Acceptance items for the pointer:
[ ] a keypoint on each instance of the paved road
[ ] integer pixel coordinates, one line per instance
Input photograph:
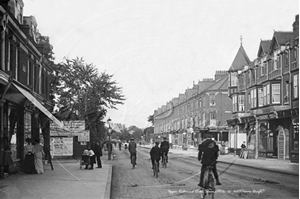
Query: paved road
(179, 180)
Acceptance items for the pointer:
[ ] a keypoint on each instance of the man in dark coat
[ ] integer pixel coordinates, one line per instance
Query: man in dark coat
(208, 153)
(98, 152)
(132, 150)
(164, 146)
(155, 154)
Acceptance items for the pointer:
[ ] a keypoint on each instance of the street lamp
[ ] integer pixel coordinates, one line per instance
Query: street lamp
(109, 142)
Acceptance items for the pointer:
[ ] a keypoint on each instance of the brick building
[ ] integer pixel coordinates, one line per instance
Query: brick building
(199, 113)
(24, 85)
(265, 98)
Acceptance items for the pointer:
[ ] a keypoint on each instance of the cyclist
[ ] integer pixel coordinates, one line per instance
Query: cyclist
(164, 146)
(132, 149)
(208, 153)
(155, 154)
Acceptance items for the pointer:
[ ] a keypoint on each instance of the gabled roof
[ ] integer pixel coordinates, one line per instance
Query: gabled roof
(221, 84)
(264, 47)
(241, 59)
(281, 38)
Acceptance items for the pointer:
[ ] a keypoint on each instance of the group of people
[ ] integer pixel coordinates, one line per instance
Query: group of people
(33, 157)
(94, 155)
(156, 152)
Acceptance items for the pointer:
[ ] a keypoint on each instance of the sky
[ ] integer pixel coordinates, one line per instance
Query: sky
(157, 49)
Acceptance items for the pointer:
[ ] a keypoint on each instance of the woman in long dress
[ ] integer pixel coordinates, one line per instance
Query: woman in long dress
(38, 157)
(28, 164)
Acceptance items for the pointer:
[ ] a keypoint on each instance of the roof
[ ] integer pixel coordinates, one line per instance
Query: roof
(283, 37)
(220, 84)
(264, 47)
(241, 59)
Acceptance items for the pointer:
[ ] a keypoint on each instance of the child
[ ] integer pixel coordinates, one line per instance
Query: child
(155, 154)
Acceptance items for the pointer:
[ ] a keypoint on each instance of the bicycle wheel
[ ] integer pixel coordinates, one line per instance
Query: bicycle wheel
(133, 161)
(211, 185)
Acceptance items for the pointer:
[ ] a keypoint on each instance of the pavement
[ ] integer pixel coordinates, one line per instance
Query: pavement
(67, 180)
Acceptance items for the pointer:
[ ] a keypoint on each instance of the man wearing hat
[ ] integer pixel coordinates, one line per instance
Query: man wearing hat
(164, 146)
(208, 153)
(132, 149)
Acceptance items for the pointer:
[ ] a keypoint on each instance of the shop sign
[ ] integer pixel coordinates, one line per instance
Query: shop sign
(61, 146)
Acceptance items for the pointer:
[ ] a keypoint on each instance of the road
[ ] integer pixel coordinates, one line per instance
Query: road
(180, 179)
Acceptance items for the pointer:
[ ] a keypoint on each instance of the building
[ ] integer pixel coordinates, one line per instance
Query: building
(265, 98)
(25, 103)
(199, 113)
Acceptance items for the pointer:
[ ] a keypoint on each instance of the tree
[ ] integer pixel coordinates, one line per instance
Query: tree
(82, 93)
(151, 119)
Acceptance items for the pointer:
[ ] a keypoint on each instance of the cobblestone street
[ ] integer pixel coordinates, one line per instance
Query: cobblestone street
(180, 179)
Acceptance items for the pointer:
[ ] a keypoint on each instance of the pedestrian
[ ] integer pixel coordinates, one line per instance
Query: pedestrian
(92, 159)
(132, 150)
(98, 152)
(28, 163)
(38, 157)
(243, 148)
(155, 154)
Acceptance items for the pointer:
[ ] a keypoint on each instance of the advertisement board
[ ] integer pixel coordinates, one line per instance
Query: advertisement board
(61, 146)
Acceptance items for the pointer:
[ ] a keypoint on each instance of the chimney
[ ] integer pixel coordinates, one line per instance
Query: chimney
(220, 73)
(296, 26)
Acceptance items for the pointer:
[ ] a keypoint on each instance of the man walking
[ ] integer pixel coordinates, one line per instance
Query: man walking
(132, 149)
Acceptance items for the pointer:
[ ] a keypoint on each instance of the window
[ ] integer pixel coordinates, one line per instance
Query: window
(275, 67)
(212, 100)
(266, 94)
(286, 97)
(260, 97)
(234, 103)
(275, 93)
(262, 69)
(253, 98)
(295, 86)
(241, 103)
(199, 103)
(203, 119)
(233, 79)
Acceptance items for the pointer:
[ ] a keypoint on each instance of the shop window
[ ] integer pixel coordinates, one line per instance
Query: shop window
(12, 133)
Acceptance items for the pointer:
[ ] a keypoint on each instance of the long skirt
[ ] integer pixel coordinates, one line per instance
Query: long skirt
(28, 164)
(39, 165)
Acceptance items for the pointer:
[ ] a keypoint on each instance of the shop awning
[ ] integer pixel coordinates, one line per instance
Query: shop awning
(36, 103)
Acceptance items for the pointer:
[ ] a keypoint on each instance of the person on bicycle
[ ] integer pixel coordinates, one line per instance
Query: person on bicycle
(164, 146)
(155, 154)
(132, 149)
(208, 153)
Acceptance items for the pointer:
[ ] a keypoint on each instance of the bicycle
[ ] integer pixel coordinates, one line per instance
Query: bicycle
(133, 161)
(209, 184)
(155, 169)
(164, 161)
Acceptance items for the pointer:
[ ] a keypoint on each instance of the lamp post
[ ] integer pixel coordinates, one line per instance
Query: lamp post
(109, 141)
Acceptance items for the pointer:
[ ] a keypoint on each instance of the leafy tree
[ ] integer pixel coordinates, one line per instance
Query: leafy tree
(151, 119)
(82, 93)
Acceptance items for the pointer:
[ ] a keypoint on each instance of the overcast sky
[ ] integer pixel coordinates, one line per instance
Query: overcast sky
(156, 49)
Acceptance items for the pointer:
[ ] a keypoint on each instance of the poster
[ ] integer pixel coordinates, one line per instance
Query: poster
(61, 146)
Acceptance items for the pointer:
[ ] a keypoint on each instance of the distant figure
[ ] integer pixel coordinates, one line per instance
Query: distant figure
(38, 157)
(91, 154)
(132, 149)
(243, 147)
(98, 153)
(28, 164)
(164, 146)
(155, 154)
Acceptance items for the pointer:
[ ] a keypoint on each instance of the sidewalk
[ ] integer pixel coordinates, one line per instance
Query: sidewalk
(281, 166)
(67, 180)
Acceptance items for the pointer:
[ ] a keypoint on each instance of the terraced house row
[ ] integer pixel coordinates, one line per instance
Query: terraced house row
(25, 71)
(201, 112)
(265, 98)
(254, 101)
